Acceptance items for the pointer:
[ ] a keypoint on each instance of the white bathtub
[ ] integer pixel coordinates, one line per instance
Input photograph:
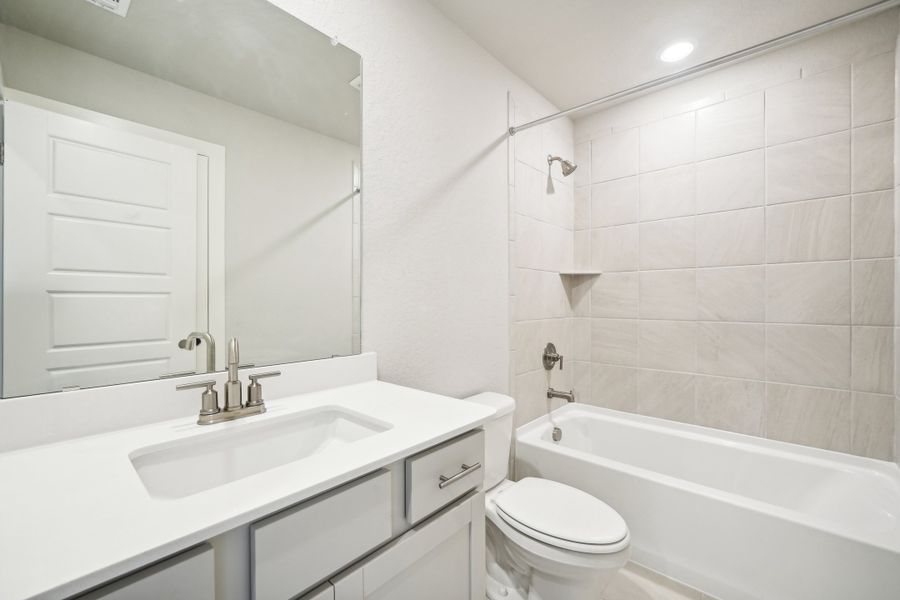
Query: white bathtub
(735, 516)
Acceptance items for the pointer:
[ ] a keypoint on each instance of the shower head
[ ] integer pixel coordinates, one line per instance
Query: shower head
(567, 166)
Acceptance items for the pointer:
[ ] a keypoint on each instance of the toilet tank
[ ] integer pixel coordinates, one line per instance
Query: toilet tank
(497, 436)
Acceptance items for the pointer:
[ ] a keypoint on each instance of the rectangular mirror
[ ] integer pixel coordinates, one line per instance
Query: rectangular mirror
(175, 174)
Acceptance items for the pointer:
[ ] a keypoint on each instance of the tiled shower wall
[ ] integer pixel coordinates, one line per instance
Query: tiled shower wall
(896, 258)
(743, 223)
(540, 246)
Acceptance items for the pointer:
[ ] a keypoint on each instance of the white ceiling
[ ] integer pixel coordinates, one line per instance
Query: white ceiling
(573, 51)
(247, 52)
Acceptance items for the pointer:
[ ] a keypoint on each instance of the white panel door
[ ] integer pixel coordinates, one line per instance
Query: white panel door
(99, 253)
(441, 559)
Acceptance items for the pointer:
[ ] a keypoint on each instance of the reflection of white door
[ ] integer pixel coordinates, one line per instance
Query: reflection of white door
(99, 253)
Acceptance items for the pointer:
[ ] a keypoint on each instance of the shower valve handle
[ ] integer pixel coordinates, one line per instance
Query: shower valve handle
(551, 357)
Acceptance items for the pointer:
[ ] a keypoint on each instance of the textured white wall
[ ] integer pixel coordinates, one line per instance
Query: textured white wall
(435, 271)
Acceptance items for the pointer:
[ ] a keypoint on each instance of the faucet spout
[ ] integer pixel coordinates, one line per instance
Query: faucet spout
(194, 338)
(233, 399)
(567, 396)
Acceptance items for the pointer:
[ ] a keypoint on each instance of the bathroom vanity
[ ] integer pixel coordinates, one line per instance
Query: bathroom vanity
(368, 490)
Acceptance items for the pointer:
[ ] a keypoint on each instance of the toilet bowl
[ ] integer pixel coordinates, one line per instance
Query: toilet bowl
(545, 540)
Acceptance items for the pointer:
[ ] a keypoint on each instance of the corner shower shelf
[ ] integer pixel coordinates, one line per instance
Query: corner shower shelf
(580, 273)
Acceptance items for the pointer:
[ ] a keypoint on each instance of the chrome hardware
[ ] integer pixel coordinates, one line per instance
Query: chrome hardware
(193, 339)
(233, 385)
(557, 434)
(567, 396)
(550, 357)
(209, 400)
(210, 411)
(254, 390)
(466, 469)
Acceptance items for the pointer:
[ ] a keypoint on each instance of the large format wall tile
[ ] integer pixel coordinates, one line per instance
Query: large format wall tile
(667, 193)
(667, 143)
(668, 294)
(614, 202)
(873, 157)
(730, 127)
(732, 404)
(667, 244)
(873, 90)
(615, 295)
(808, 107)
(615, 248)
(873, 292)
(666, 395)
(811, 230)
(731, 238)
(614, 387)
(811, 168)
(731, 294)
(582, 217)
(731, 182)
(873, 225)
(872, 431)
(809, 293)
(614, 341)
(668, 345)
(816, 355)
(614, 156)
(747, 242)
(810, 416)
(872, 358)
(731, 349)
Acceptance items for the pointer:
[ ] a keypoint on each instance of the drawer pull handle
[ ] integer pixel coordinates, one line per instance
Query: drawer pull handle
(466, 469)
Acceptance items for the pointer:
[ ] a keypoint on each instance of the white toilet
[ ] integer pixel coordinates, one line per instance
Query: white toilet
(545, 540)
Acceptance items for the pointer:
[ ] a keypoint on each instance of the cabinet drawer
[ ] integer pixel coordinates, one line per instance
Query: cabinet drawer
(299, 547)
(439, 475)
(187, 576)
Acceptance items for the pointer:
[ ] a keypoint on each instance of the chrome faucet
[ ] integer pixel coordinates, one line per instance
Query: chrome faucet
(233, 385)
(567, 396)
(234, 407)
(193, 339)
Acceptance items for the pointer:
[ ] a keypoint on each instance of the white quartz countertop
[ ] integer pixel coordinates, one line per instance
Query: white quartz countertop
(75, 514)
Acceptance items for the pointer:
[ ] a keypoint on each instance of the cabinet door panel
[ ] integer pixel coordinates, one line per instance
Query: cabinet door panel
(435, 560)
(299, 547)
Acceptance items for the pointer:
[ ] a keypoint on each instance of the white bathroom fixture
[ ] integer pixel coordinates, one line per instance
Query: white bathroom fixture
(545, 540)
(203, 462)
(736, 516)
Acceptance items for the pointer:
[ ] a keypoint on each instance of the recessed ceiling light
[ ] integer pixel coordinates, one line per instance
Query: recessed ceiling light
(676, 52)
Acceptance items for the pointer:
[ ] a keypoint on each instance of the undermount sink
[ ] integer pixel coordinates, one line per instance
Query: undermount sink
(205, 461)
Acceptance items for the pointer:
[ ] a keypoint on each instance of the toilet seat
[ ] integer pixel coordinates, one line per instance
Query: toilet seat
(561, 516)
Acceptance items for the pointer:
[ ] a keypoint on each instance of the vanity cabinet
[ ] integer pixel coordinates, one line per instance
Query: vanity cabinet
(186, 576)
(411, 530)
(440, 559)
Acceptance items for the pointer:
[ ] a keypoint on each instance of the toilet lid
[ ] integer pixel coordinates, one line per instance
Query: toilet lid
(558, 512)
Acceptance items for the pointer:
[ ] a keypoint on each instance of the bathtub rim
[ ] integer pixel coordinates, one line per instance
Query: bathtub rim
(530, 434)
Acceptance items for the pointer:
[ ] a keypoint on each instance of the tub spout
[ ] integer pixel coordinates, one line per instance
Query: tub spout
(567, 396)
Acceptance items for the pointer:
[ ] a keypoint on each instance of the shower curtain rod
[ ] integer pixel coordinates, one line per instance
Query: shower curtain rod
(719, 62)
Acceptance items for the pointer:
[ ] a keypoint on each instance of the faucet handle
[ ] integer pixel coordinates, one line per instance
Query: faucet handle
(551, 357)
(209, 399)
(254, 390)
